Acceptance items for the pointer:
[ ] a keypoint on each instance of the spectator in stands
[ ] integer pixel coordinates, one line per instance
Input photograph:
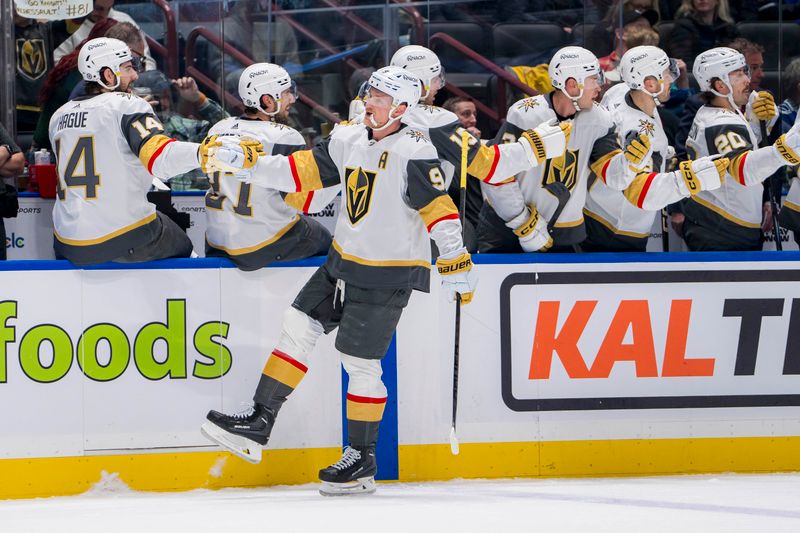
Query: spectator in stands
(605, 35)
(103, 10)
(156, 89)
(467, 113)
(637, 33)
(700, 25)
(12, 161)
(791, 89)
(59, 83)
(34, 59)
(128, 34)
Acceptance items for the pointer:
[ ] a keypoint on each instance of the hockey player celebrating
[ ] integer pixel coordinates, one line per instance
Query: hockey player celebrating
(393, 203)
(255, 226)
(517, 213)
(729, 218)
(612, 223)
(489, 164)
(109, 145)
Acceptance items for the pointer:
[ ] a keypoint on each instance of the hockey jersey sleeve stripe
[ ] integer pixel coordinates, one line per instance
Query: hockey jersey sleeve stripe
(440, 208)
(600, 166)
(151, 149)
(365, 409)
(791, 205)
(504, 182)
(637, 190)
(737, 167)
(299, 200)
(305, 171)
(485, 162)
(283, 368)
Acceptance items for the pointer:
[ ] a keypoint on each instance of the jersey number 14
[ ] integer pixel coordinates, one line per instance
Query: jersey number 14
(83, 151)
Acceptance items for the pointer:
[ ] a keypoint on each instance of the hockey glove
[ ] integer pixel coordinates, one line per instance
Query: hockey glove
(788, 145)
(207, 147)
(638, 151)
(546, 141)
(704, 174)
(763, 105)
(235, 155)
(531, 229)
(457, 274)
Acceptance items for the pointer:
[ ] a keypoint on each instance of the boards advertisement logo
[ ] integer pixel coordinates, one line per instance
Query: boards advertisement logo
(650, 340)
(15, 241)
(104, 351)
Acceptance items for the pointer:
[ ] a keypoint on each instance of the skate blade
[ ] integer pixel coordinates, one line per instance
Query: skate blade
(359, 486)
(247, 449)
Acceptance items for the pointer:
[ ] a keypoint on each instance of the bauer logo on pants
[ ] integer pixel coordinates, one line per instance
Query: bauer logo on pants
(650, 340)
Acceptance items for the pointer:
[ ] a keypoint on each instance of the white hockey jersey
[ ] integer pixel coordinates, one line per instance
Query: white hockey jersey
(393, 197)
(592, 147)
(491, 164)
(241, 218)
(108, 148)
(611, 207)
(717, 130)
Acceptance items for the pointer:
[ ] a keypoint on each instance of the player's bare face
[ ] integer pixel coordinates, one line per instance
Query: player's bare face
(287, 101)
(591, 90)
(740, 83)
(467, 114)
(127, 76)
(666, 86)
(378, 106)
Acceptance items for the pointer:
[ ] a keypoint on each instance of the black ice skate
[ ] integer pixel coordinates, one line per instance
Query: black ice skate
(243, 434)
(354, 473)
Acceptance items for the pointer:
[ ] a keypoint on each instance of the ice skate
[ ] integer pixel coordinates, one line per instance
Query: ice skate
(354, 473)
(243, 434)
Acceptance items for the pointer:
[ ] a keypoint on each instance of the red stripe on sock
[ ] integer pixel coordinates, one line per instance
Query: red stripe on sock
(295, 363)
(364, 399)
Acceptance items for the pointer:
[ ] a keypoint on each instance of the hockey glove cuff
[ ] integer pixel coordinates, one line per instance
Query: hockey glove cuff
(457, 275)
(546, 141)
(531, 230)
(704, 174)
(235, 155)
(788, 146)
(204, 152)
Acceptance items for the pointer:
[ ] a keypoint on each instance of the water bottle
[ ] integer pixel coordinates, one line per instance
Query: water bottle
(42, 157)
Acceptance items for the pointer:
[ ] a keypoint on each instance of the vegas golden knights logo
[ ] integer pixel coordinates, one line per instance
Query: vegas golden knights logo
(31, 58)
(360, 183)
(563, 169)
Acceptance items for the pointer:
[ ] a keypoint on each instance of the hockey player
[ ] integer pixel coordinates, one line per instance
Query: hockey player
(517, 212)
(109, 145)
(490, 164)
(255, 226)
(729, 218)
(612, 223)
(393, 203)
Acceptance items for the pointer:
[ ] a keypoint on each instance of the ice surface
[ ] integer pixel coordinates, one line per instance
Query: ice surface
(676, 504)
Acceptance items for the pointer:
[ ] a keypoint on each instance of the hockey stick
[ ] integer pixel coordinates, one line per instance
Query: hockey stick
(462, 206)
(560, 191)
(773, 202)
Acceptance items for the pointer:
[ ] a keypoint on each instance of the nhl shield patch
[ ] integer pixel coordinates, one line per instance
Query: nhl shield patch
(31, 58)
(360, 184)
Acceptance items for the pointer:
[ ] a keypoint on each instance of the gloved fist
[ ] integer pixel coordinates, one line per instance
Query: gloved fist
(531, 229)
(234, 155)
(763, 106)
(546, 141)
(703, 174)
(638, 150)
(457, 275)
(788, 145)
(207, 147)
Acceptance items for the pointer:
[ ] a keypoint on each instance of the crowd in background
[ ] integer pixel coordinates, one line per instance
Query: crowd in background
(47, 52)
